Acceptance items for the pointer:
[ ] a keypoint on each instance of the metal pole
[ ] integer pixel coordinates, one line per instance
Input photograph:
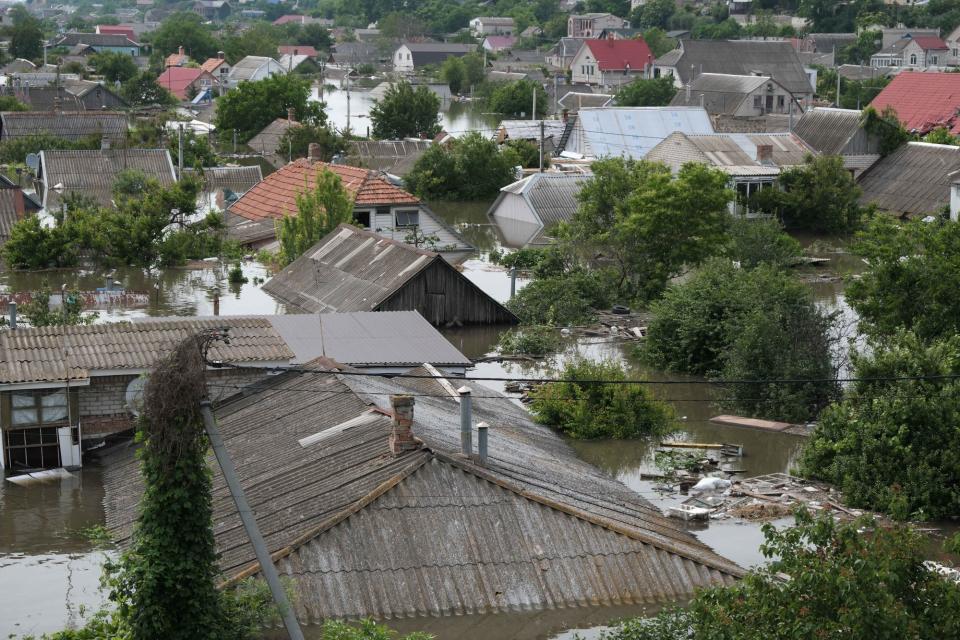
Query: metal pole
(250, 523)
(533, 114)
(838, 88)
(513, 281)
(556, 93)
(180, 152)
(541, 145)
(234, 142)
(466, 421)
(348, 103)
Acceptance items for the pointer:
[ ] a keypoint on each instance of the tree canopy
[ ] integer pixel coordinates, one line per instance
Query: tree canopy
(26, 35)
(143, 89)
(468, 168)
(114, 66)
(319, 211)
(642, 92)
(251, 106)
(515, 99)
(184, 29)
(406, 112)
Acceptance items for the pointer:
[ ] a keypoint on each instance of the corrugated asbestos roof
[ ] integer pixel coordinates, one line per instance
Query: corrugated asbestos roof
(75, 125)
(384, 338)
(396, 157)
(912, 181)
(237, 179)
(734, 153)
(93, 172)
(551, 196)
(632, 131)
(530, 129)
(828, 130)
(11, 210)
(267, 141)
(721, 93)
(364, 533)
(49, 354)
(573, 101)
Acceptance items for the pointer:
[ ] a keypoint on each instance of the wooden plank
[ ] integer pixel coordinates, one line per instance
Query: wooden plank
(762, 425)
(689, 445)
(432, 370)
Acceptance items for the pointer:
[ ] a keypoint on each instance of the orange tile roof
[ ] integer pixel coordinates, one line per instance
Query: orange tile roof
(276, 196)
(211, 64)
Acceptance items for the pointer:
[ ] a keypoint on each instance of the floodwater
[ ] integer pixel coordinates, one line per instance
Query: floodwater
(50, 571)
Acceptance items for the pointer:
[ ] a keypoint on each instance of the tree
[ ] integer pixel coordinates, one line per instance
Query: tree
(642, 92)
(454, 73)
(184, 29)
(890, 445)
(653, 13)
(649, 225)
(469, 168)
(26, 35)
(405, 112)
(251, 106)
(319, 211)
(911, 280)
(402, 26)
(17, 149)
(38, 313)
(197, 150)
(586, 410)
(33, 246)
(658, 41)
(756, 241)
(515, 99)
(315, 35)
(114, 66)
(819, 195)
(732, 323)
(941, 135)
(296, 141)
(142, 89)
(855, 580)
(527, 153)
(261, 39)
(886, 126)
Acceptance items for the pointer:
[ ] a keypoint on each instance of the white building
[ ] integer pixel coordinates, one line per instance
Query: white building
(253, 68)
(492, 26)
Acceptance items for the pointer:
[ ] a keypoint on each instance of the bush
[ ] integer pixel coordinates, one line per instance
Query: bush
(469, 168)
(585, 410)
(891, 445)
(529, 341)
(756, 241)
(565, 299)
(515, 99)
(17, 149)
(642, 92)
(747, 324)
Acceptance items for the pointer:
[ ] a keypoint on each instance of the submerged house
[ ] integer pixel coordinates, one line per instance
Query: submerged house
(371, 506)
(222, 186)
(357, 270)
(526, 210)
(914, 181)
(840, 132)
(379, 206)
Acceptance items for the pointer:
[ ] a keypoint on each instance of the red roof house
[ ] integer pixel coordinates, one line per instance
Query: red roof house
(930, 43)
(297, 50)
(923, 101)
(287, 19)
(606, 62)
(118, 29)
(180, 80)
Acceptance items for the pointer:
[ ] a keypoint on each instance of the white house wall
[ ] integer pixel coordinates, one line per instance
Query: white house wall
(515, 220)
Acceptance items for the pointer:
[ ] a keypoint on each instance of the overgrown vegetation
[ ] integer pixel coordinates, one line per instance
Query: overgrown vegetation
(15, 150)
(758, 324)
(515, 99)
(251, 106)
(406, 112)
(319, 211)
(468, 168)
(642, 92)
(585, 408)
(756, 241)
(39, 313)
(529, 341)
(824, 580)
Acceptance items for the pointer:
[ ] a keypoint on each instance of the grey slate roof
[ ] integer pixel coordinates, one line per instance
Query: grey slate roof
(734, 153)
(573, 101)
(267, 141)
(424, 53)
(364, 339)
(913, 181)
(831, 132)
(92, 173)
(721, 93)
(237, 179)
(94, 40)
(112, 125)
(740, 57)
(551, 196)
(364, 533)
(396, 157)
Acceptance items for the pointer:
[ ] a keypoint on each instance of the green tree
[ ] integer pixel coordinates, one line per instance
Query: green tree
(319, 211)
(658, 41)
(474, 71)
(653, 92)
(114, 66)
(527, 153)
(197, 150)
(855, 580)
(184, 29)
(315, 35)
(732, 323)
(756, 241)
(26, 35)
(911, 279)
(405, 112)
(584, 409)
(296, 141)
(469, 168)
(515, 99)
(454, 73)
(17, 149)
(941, 135)
(251, 106)
(261, 39)
(649, 225)
(142, 89)
(33, 246)
(653, 13)
(886, 126)
(38, 313)
(9, 103)
(819, 195)
(890, 445)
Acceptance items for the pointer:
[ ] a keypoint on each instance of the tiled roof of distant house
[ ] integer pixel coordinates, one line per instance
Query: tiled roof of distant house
(177, 79)
(118, 29)
(289, 18)
(211, 64)
(931, 43)
(618, 55)
(298, 49)
(923, 101)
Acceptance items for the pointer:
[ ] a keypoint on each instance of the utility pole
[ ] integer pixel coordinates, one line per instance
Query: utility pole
(348, 103)
(541, 145)
(180, 151)
(533, 114)
(250, 523)
(838, 88)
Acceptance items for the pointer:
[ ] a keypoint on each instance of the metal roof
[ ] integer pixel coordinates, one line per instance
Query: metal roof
(552, 197)
(366, 338)
(111, 125)
(52, 354)
(632, 131)
(363, 533)
(93, 172)
(721, 93)
(734, 153)
(829, 130)
(912, 181)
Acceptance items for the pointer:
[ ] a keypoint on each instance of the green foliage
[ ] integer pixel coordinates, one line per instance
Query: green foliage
(658, 41)
(142, 89)
(454, 72)
(319, 211)
(585, 410)
(941, 135)
(114, 66)
(9, 103)
(846, 580)
(756, 241)
(295, 141)
(655, 92)
(235, 275)
(17, 149)
(653, 14)
(33, 246)
(260, 39)
(911, 280)
(405, 112)
(526, 258)
(527, 153)
(649, 225)
(38, 313)
(890, 445)
(469, 168)
(473, 67)
(26, 35)
(185, 29)
(251, 106)
(364, 630)
(515, 99)
(570, 297)
(886, 126)
(529, 341)
(819, 195)
(197, 150)
(747, 324)
(854, 94)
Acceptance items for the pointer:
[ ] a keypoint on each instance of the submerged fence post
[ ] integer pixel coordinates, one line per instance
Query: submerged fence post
(250, 523)
(513, 281)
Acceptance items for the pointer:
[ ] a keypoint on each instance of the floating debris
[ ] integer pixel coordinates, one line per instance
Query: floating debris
(764, 425)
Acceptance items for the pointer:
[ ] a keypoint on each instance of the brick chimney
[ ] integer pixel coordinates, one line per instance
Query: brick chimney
(220, 55)
(180, 50)
(313, 152)
(765, 154)
(291, 114)
(401, 435)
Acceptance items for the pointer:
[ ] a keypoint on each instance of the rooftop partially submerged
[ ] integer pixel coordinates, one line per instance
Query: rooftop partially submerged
(913, 181)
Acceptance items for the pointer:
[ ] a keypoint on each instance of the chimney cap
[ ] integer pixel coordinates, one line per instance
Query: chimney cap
(464, 389)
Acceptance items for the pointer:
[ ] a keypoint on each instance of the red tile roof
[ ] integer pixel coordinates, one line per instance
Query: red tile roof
(211, 64)
(928, 43)
(288, 19)
(177, 79)
(118, 29)
(923, 101)
(297, 50)
(276, 196)
(614, 55)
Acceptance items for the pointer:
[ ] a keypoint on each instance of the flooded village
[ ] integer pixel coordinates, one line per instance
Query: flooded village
(518, 327)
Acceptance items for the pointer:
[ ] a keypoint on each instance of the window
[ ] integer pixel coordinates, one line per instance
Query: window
(934, 59)
(362, 218)
(36, 408)
(913, 59)
(757, 102)
(781, 102)
(407, 218)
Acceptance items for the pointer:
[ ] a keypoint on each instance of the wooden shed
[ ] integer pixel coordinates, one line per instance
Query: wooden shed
(355, 270)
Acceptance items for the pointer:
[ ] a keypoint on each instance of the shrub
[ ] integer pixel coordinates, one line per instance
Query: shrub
(586, 410)
(565, 299)
(756, 241)
(469, 168)
(529, 341)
